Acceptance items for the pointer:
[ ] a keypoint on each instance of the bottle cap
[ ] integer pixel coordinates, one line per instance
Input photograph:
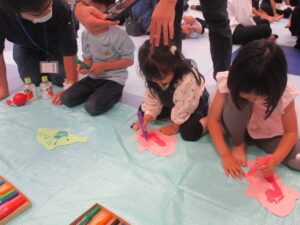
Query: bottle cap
(44, 78)
(27, 80)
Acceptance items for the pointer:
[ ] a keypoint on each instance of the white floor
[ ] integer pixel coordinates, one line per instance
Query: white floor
(198, 50)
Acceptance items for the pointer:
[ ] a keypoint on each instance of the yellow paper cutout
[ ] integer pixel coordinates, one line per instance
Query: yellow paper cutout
(52, 138)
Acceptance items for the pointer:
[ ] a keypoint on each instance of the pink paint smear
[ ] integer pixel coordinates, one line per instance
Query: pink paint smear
(157, 143)
(271, 192)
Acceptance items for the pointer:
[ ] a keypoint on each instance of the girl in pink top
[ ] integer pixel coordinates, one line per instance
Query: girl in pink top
(254, 102)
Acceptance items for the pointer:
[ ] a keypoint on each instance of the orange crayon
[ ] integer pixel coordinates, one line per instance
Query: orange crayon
(105, 219)
(5, 188)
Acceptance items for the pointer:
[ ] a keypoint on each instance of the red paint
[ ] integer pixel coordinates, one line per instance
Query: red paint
(153, 137)
(276, 194)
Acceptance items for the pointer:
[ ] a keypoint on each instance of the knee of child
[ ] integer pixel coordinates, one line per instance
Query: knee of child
(294, 164)
(268, 31)
(92, 108)
(65, 99)
(191, 134)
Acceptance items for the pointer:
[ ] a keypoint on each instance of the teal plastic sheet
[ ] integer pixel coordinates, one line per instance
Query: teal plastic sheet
(187, 188)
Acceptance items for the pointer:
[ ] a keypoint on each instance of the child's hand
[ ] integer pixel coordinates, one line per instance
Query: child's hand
(82, 70)
(268, 168)
(56, 98)
(232, 167)
(170, 129)
(147, 119)
(97, 69)
(189, 19)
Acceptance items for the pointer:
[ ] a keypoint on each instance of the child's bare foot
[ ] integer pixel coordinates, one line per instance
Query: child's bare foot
(278, 18)
(196, 7)
(203, 122)
(288, 25)
(239, 153)
(273, 37)
(271, 19)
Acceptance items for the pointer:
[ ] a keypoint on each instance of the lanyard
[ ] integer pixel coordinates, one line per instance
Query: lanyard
(32, 41)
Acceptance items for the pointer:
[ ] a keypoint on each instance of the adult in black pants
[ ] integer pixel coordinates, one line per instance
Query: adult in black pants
(295, 25)
(215, 15)
(163, 18)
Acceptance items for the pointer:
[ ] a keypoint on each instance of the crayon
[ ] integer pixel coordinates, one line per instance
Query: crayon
(9, 197)
(11, 206)
(89, 216)
(116, 222)
(5, 189)
(105, 219)
(84, 65)
(141, 122)
(7, 193)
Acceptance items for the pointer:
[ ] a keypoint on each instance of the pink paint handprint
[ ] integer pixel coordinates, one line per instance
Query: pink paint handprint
(157, 143)
(270, 191)
(274, 195)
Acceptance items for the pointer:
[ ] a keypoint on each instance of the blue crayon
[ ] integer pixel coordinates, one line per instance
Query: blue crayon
(9, 197)
(2, 182)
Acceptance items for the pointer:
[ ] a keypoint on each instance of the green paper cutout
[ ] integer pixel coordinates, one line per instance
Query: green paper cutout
(52, 138)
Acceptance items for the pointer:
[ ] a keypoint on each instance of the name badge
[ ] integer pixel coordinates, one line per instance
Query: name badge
(49, 67)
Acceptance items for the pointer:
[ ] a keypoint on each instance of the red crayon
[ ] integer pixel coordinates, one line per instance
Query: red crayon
(11, 206)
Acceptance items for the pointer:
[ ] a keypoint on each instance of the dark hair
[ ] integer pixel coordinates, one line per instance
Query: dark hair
(259, 68)
(155, 62)
(18, 6)
(104, 2)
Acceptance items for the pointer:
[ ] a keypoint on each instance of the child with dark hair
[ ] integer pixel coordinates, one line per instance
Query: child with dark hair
(243, 27)
(259, 13)
(269, 6)
(174, 89)
(109, 53)
(255, 103)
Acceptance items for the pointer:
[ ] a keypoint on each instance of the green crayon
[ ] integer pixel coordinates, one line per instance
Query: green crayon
(85, 66)
(89, 215)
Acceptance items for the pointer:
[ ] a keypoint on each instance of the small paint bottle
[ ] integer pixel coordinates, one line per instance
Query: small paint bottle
(46, 88)
(29, 89)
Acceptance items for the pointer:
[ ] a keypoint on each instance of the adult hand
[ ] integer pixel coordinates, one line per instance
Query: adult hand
(170, 129)
(3, 93)
(147, 119)
(232, 167)
(162, 21)
(93, 20)
(56, 98)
